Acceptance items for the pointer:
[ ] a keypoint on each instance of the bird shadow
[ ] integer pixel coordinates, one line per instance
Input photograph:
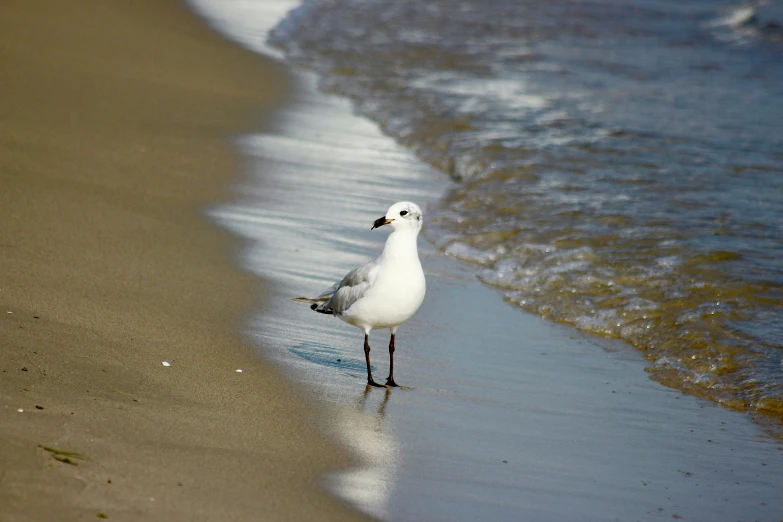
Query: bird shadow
(325, 355)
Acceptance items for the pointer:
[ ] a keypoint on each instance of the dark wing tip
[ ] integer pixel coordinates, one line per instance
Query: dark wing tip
(327, 311)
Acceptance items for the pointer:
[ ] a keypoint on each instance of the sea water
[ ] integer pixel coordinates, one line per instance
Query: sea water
(619, 164)
(506, 416)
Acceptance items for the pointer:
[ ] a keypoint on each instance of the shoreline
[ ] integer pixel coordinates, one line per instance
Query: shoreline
(503, 415)
(113, 143)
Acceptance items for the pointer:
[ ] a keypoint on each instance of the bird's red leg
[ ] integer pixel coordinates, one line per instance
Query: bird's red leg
(390, 380)
(370, 381)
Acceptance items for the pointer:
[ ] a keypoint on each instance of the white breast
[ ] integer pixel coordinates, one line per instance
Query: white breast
(396, 295)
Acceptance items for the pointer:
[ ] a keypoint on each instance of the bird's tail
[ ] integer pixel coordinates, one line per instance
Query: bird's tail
(316, 303)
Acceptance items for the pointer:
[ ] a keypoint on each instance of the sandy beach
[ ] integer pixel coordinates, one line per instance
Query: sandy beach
(121, 128)
(112, 139)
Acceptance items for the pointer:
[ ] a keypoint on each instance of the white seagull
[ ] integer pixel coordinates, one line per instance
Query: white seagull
(385, 292)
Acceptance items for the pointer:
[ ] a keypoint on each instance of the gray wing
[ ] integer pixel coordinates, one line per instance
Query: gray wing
(342, 295)
(353, 287)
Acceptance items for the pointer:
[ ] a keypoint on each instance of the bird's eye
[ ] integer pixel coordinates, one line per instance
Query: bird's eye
(404, 212)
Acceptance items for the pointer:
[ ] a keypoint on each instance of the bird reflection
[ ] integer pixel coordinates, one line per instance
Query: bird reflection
(380, 411)
(369, 484)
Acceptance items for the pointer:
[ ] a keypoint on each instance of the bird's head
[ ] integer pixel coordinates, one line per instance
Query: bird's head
(402, 215)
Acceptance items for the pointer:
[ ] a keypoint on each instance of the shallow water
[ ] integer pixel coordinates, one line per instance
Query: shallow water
(505, 416)
(619, 164)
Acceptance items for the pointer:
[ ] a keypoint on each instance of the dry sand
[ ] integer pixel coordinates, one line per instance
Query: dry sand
(111, 119)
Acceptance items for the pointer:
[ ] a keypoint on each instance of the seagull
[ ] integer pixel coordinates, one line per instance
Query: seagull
(385, 292)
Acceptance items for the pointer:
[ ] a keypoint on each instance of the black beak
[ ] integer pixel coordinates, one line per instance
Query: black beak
(380, 222)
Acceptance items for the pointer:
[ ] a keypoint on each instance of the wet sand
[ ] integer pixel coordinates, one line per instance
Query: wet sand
(112, 127)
